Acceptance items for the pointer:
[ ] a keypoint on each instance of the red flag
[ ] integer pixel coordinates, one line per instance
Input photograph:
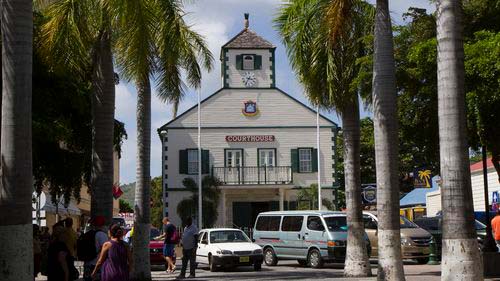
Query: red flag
(117, 191)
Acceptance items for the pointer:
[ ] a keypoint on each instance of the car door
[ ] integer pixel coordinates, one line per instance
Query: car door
(371, 230)
(292, 229)
(203, 248)
(314, 234)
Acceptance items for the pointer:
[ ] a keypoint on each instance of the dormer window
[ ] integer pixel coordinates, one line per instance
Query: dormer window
(248, 62)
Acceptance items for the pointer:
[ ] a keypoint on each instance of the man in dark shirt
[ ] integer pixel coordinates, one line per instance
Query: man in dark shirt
(169, 234)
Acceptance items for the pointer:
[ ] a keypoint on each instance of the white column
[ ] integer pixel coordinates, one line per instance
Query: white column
(200, 194)
(319, 158)
(282, 199)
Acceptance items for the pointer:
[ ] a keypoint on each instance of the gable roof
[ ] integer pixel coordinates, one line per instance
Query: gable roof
(221, 89)
(478, 166)
(248, 39)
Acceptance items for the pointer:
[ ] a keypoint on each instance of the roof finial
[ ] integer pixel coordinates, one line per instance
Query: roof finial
(246, 23)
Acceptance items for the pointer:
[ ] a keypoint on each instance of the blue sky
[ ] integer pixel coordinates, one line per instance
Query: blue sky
(219, 21)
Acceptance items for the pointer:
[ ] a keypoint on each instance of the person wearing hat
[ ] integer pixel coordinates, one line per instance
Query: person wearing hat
(98, 226)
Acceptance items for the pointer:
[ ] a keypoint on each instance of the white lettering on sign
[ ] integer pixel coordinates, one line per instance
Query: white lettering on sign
(263, 138)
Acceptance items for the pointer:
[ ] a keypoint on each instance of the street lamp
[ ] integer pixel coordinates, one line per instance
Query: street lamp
(163, 135)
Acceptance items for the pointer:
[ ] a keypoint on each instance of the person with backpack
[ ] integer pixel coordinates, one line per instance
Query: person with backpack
(172, 238)
(89, 246)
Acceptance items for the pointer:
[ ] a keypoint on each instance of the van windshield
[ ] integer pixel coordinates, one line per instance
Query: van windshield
(336, 223)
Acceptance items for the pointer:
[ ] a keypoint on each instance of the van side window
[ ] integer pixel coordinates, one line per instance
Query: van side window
(292, 223)
(315, 223)
(268, 223)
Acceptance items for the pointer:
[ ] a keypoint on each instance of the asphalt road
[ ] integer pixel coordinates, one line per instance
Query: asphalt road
(290, 270)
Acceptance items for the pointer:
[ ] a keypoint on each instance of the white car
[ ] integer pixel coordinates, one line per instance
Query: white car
(227, 247)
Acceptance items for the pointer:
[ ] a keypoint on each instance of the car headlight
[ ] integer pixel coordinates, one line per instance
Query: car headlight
(224, 252)
(258, 251)
(406, 242)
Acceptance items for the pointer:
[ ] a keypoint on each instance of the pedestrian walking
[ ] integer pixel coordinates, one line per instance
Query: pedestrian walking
(495, 227)
(59, 266)
(90, 245)
(171, 239)
(189, 244)
(69, 238)
(115, 258)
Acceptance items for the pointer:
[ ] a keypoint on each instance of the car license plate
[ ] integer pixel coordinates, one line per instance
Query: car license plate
(244, 259)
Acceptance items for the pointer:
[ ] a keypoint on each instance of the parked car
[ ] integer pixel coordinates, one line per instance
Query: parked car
(433, 226)
(155, 248)
(227, 247)
(310, 237)
(415, 241)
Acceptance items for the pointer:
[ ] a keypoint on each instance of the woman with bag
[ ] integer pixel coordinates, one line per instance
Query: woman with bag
(115, 258)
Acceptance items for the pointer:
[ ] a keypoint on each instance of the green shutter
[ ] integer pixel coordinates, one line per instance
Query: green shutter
(239, 62)
(295, 160)
(315, 160)
(183, 162)
(205, 162)
(258, 62)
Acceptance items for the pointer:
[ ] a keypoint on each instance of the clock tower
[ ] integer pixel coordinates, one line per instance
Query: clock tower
(247, 61)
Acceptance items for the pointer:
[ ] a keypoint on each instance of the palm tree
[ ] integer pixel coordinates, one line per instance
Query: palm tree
(323, 40)
(16, 187)
(390, 265)
(145, 48)
(78, 34)
(461, 258)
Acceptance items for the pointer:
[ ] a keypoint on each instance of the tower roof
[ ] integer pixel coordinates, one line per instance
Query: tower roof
(248, 39)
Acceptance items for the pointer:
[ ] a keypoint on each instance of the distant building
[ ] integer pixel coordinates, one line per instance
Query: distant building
(433, 199)
(256, 139)
(46, 213)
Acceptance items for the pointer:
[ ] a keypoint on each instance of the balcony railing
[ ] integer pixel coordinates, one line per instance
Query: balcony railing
(253, 175)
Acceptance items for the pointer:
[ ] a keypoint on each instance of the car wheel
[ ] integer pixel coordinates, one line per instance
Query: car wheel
(422, 260)
(211, 264)
(270, 257)
(257, 266)
(314, 259)
(302, 262)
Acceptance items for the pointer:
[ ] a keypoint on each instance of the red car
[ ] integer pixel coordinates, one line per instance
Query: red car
(155, 248)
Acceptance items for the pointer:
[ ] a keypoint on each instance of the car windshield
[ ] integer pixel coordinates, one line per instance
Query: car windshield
(228, 236)
(337, 223)
(405, 223)
(153, 233)
(480, 225)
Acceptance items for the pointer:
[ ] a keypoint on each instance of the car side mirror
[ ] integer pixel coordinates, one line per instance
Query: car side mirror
(253, 240)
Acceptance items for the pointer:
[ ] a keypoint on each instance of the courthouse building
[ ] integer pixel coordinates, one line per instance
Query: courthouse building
(259, 141)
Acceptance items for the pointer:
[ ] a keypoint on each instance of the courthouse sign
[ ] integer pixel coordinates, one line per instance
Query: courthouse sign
(258, 138)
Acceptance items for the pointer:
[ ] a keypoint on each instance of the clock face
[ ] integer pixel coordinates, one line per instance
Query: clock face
(249, 79)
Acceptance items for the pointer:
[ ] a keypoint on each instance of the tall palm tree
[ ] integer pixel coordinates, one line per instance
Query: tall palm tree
(16, 186)
(146, 48)
(323, 40)
(461, 258)
(78, 34)
(390, 265)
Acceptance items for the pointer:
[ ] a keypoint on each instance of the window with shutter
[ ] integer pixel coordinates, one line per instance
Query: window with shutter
(183, 163)
(248, 62)
(294, 160)
(205, 161)
(305, 160)
(258, 62)
(239, 62)
(314, 160)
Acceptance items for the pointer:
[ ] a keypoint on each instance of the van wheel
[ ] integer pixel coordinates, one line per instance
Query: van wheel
(270, 257)
(314, 259)
(302, 262)
(211, 264)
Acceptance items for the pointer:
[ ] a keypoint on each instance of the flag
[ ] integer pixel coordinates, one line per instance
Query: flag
(117, 191)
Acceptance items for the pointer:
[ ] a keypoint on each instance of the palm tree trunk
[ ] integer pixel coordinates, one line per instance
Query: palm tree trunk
(390, 265)
(103, 117)
(461, 258)
(356, 262)
(142, 267)
(175, 108)
(16, 187)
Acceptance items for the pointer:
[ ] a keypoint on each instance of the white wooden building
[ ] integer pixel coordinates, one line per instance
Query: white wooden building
(258, 140)
(433, 200)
